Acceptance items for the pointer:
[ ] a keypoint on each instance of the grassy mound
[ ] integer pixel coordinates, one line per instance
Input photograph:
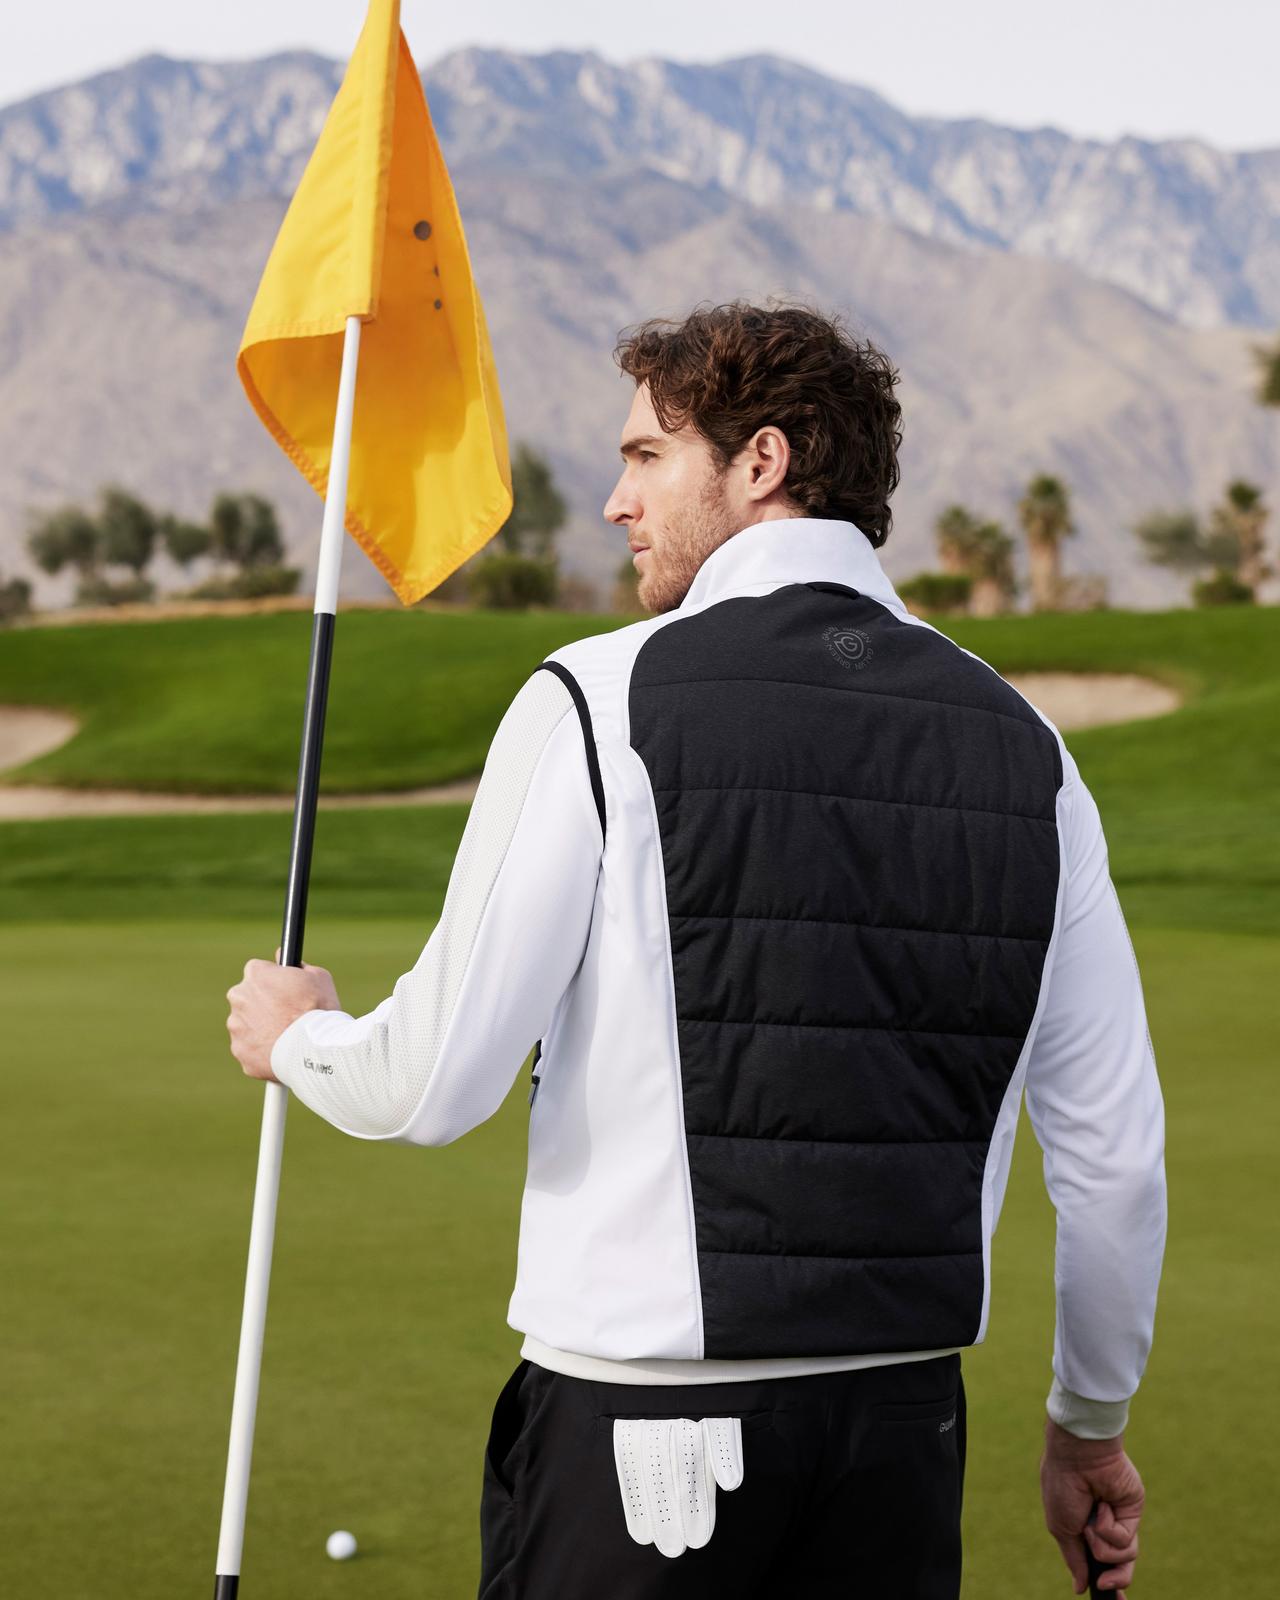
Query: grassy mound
(214, 705)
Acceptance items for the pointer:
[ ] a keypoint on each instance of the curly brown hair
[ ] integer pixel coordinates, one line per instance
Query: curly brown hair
(728, 370)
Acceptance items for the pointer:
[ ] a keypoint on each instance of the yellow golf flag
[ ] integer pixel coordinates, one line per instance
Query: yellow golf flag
(373, 231)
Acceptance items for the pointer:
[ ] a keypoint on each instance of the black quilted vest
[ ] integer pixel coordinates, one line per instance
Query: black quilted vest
(860, 846)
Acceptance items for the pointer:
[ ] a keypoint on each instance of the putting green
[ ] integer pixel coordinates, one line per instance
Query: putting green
(130, 1142)
(130, 1137)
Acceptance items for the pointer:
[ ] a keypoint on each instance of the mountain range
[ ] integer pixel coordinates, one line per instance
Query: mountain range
(1052, 303)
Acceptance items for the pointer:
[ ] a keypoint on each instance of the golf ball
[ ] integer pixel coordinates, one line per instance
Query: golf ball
(341, 1545)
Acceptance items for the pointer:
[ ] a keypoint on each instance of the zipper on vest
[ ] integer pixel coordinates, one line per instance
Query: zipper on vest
(537, 1077)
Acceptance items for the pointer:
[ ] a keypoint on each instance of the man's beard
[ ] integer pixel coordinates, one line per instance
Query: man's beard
(687, 542)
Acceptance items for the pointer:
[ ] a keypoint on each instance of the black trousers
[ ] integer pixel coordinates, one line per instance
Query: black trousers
(851, 1487)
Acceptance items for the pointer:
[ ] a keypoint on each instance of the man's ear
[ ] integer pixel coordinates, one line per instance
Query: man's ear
(767, 457)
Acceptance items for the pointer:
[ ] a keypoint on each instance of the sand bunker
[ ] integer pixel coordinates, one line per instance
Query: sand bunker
(1093, 699)
(29, 802)
(30, 731)
(1069, 699)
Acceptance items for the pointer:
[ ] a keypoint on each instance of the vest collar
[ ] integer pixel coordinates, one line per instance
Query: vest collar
(792, 550)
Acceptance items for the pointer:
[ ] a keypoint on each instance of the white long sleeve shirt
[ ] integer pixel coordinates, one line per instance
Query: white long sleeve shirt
(526, 905)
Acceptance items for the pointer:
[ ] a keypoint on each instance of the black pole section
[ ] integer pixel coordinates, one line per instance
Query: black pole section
(305, 801)
(226, 1585)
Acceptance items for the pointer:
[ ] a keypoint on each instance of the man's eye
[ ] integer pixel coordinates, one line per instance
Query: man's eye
(647, 455)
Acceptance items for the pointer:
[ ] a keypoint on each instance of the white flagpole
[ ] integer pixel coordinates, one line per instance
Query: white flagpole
(244, 1405)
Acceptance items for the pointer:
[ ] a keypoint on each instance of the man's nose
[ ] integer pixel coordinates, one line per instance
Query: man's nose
(622, 506)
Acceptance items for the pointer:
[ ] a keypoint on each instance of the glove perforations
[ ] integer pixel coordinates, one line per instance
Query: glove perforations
(668, 1470)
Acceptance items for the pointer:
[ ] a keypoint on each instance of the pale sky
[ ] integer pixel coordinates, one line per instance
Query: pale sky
(1099, 68)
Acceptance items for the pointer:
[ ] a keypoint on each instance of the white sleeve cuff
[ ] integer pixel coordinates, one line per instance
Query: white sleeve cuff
(288, 1050)
(1087, 1419)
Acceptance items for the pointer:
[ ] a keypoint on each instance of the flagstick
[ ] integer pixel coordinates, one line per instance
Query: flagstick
(253, 1320)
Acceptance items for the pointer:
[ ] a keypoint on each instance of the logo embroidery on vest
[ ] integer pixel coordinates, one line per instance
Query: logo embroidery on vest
(849, 646)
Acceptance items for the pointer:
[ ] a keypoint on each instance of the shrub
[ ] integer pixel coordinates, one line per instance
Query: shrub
(251, 583)
(512, 582)
(15, 599)
(538, 510)
(938, 591)
(449, 591)
(1223, 589)
(100, 591)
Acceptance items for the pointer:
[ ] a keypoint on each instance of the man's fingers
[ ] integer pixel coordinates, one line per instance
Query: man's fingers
(1120, 1545)
(1111, 1525)
(304, 966)
(1112, 1539)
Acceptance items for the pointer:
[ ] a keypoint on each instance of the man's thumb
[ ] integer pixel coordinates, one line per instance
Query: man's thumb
(1104, 1521)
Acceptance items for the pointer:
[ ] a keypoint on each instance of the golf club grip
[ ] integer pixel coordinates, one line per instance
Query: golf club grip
(1096, 1567)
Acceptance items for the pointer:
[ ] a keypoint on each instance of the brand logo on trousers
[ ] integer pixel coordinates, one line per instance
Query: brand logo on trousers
(849, 646)
(949, 1423)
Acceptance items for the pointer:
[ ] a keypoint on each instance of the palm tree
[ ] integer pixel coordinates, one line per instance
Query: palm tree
(991, 563)
(955, 529)
(1236, 528)
(980, 551)
(1176, 539)
(1045, 514)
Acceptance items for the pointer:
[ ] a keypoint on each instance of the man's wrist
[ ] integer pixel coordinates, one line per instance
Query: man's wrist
(1085, 1418)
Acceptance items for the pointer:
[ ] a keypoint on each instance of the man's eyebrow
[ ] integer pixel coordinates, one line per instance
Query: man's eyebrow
(641, 441)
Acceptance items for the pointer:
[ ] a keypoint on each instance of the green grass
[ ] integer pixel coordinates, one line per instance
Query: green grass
(214, 705)
(1188, 800)
(129, 1147)
(130, 1137)
(367, 863)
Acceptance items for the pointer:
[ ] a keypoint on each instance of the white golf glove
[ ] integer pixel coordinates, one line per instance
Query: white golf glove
(668, 1469)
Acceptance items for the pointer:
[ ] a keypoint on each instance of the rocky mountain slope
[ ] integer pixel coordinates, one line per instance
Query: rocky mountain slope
(140, 207)
(1191, 229)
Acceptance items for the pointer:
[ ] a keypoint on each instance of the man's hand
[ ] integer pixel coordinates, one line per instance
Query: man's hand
(1074, 1473)
(263, 1004)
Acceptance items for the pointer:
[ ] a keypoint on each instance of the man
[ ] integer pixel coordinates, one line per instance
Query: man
(796, 898)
